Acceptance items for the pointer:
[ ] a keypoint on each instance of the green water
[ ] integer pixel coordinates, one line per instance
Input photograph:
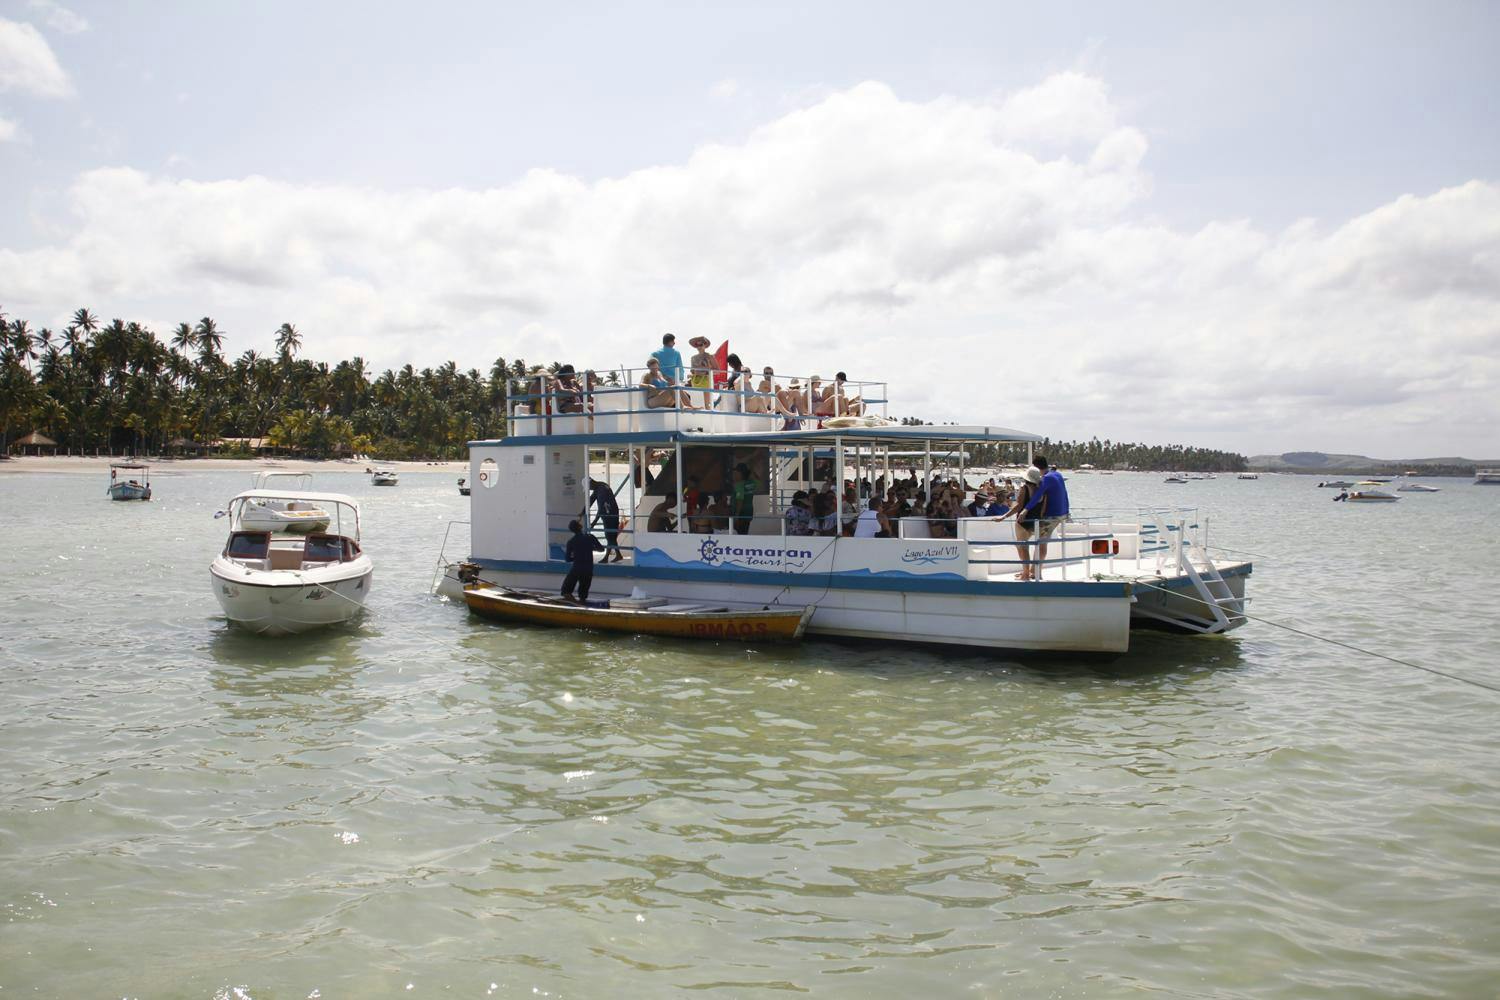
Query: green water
(422, 804)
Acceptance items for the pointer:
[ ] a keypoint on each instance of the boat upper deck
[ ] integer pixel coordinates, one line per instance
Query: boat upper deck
(586, 409)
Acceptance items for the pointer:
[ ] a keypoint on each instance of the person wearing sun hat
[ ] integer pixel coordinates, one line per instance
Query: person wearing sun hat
(702, 367)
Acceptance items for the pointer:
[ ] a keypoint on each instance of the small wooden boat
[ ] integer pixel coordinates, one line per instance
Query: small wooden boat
(129, 487)
(685, 621)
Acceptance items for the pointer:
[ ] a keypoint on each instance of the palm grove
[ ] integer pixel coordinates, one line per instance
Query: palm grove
(118, 388)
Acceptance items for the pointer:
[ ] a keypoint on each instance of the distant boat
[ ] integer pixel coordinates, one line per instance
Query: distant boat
(1371, 496)
(1248, 475)
(1174, 479)
(1487, 477)
(1335, 484)
(130, 487)
(383, 477)
(658, 617)
(293, 515)
(1417, 488)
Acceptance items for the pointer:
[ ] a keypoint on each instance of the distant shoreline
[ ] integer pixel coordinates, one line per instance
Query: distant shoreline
(84, 464)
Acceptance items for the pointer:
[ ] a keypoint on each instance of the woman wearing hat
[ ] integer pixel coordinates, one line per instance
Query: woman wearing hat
(1025, 529)
(702, 366)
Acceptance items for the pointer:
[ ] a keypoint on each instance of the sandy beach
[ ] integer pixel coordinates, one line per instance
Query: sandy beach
(167, 466)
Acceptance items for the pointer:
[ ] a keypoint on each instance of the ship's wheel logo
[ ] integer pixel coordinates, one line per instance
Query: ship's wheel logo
(709, 551)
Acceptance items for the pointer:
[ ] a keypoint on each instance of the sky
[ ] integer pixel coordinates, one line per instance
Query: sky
(1264, 229)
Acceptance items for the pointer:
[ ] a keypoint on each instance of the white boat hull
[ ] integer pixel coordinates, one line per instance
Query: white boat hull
(1087, 624)
(272, 519)
(280, 602)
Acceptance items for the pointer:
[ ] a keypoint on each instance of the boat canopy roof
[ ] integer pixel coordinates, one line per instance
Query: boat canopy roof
(342, 498)
(904, 435)
(128, 465)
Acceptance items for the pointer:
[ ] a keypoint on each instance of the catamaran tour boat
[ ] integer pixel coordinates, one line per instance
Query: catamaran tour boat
(1102, 572)
(278, 584)
(1487, 477)
(300, 516)
(129, 481)
(383, 477)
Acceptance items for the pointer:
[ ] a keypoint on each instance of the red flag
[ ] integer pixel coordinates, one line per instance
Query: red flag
(721, 365)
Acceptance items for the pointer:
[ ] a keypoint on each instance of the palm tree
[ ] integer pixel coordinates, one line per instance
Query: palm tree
(183, 338)
(85, 321)
(209, 338)
(288, 340)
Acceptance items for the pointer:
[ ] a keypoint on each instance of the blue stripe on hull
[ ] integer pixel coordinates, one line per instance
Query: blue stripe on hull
(823, 581)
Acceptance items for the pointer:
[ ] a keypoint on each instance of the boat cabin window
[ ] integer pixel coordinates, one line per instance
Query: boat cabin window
(248, 545)
(326, 548)
(712, 467)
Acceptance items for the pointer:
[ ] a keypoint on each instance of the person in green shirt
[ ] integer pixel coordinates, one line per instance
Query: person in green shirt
(743, 502)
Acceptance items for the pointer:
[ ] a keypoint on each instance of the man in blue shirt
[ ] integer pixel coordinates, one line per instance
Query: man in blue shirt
(1050, 504)
(668, 358)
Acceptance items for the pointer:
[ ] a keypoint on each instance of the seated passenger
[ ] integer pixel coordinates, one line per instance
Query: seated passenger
(825, 515)
(837, 402)
(873, 522)
(764, 398)
(569, 394)
(718, 507)
(664, 515)
(702, 522)
(798, 516)
(661, 389)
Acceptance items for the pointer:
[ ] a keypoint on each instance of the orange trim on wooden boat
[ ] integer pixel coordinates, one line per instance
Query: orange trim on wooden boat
(780, 625)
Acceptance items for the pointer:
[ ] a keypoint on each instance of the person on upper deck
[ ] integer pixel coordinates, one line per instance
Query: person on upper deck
(661, 389)
(837, 402)
(1052, 493)
(668, 358)
(702, 369)
(569, 393)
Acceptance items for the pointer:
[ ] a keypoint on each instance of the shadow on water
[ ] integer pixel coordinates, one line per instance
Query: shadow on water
(261, 676)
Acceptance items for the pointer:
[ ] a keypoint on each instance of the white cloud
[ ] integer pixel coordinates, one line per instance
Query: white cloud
(27, 63)
(995, 260)
(9, 131)
(60, 18)
(725, 89)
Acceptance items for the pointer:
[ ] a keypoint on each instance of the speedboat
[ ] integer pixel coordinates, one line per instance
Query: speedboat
(1371, 493)
(1335, 484)
(383, 477)
(280, 584)
(135, 484)
(1174, 479)
(298, 516)
(1418, 488)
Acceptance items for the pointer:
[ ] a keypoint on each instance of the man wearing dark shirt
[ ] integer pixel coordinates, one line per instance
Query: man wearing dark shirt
(609, 513)
(580, 552)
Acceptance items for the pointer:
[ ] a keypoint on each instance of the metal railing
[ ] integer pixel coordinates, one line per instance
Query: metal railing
(540, 404)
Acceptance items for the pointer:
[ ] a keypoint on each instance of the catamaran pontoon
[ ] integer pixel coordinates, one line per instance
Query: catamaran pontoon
(1100, 573)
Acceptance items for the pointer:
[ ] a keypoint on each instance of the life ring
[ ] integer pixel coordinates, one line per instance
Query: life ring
(484, 477)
